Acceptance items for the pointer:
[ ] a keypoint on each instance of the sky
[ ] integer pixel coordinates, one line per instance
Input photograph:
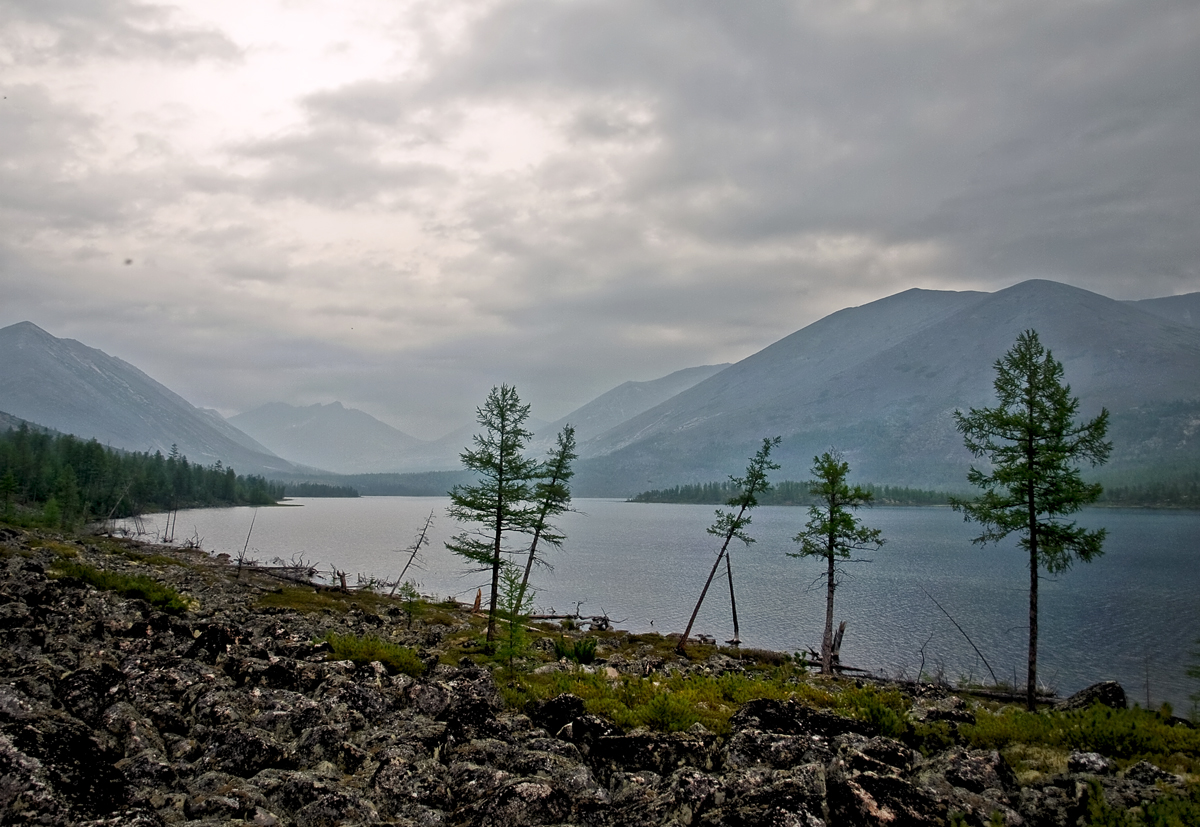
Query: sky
(398, 204)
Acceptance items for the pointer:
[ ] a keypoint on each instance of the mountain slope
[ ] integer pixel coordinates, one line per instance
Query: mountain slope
(67, 386)
(339, 439)
(1184, 310)
(629, 399)
(882, 381)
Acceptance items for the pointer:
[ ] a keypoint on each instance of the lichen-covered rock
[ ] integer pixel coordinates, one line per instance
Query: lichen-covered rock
(1108, 693)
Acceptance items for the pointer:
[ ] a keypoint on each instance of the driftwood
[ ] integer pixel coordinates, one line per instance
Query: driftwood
(599, 623)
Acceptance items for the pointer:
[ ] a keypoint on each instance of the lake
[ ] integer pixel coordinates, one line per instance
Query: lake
(1133, 615)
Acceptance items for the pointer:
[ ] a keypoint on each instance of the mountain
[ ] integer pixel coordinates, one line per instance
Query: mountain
(1184, 310)
(339, 439)
(629, 399)
(881, 382)
(67, 386)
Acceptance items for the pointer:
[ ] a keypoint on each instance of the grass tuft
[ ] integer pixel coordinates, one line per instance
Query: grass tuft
(126, 585)
(371, 648)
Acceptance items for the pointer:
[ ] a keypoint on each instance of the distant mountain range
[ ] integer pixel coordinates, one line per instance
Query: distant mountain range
(69, 387)
(333, 437)
(880, 382)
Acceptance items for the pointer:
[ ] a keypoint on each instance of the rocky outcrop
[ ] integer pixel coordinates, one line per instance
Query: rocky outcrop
(113, 713)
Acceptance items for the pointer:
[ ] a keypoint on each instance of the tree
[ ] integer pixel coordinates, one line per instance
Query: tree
(551, 497)
(499, 502)
(730, 525)
(833, 532)
(1033, 446)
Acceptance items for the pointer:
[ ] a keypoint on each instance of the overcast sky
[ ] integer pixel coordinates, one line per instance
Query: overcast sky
(399, 204)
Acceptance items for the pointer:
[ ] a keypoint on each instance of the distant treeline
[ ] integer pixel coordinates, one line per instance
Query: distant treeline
(788, 492)
(318, 489)
(63, 481)
(1172, 493)
(421, 484)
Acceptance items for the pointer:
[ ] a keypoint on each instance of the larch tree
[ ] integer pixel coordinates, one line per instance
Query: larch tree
(1034, 447)
(730, 524)
(551, 497)
(833, 532)
(499, 502)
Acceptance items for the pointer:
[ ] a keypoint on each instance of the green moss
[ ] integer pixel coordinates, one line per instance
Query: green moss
(671, 703)
(370, 648)
(126, 585)
(302, 599)
(1125, 735)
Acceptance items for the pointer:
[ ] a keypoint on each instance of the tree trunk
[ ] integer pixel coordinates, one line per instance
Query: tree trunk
(827, 638)
(1031, 682)
(737, 638)
(1031, 678)
(692, 621)
(491, 629)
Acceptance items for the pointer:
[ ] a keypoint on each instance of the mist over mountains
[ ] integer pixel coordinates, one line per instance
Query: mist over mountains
(69, 387)
(879, 382)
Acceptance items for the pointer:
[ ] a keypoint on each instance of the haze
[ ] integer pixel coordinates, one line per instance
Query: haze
(397, 205)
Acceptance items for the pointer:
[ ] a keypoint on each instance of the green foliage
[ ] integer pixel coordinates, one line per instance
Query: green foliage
(127, 585)
(581, 651)
(1126, 735)
(371, 648)
(551, 497)
(1033, 447)
(833, 532)
(515, 605)
(632, 702)
(301, 599)
(62, 481)
(1167, 811)
(498, 502)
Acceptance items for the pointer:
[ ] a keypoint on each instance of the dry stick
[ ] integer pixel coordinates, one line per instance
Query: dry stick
(416, 548)
(242, 556)
(964, 634)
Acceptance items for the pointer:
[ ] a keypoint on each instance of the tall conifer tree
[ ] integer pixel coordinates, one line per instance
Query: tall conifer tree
(1033, 446)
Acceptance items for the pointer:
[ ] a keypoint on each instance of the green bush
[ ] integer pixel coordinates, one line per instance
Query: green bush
(1128, 735)
(126, 585)
(581, 651)
(372, 648)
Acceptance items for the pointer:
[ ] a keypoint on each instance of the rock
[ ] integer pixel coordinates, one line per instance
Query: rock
(1089, 763)
(555, 713)
(1108, 693)
(1144, 772)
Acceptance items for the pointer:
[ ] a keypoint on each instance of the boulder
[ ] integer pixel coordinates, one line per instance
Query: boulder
(1109, 693)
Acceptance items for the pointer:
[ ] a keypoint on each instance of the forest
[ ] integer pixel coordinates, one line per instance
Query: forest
(60, 481)
(788, 492)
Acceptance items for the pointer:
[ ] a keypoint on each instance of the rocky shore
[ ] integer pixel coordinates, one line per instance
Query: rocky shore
(113, 712)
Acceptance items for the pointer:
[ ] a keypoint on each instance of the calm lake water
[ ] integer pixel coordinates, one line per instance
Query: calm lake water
(1132, 616)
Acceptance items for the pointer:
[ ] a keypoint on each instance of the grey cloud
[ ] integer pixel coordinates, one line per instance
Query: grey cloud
(80, 29)
(336, 167)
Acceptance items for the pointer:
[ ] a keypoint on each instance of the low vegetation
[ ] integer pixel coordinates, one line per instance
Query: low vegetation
(127, 585)
(370, 649)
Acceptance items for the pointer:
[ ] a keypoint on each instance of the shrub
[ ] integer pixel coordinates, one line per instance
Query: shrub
(371, 648)
(126, 585)
(581, 651)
